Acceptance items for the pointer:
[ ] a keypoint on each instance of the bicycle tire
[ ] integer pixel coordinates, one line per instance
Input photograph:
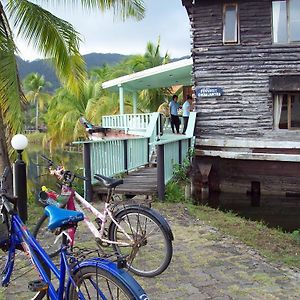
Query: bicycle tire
(145, 262)
(111, 285)
(45, 237)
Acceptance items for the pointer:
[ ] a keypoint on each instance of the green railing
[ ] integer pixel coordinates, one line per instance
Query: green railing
(173, 152)
(110, 157)
(170, 153)
(132, 123)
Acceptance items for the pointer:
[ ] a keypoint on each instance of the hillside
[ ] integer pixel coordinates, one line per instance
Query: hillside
(43, 67)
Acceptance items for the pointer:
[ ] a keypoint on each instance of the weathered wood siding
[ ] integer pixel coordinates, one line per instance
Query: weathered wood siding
(243, 70)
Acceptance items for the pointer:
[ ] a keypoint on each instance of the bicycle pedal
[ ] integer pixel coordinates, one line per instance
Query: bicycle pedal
(37, 285)
(121, 263)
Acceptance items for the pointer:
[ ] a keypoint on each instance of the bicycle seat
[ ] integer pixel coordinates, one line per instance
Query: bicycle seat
(58, 216)
(108, 182)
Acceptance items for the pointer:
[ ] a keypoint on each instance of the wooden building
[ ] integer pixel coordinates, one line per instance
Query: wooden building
(246, 67)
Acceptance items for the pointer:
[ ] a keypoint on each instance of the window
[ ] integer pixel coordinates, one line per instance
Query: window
(230, 24)
(287, 111)
(286, 21)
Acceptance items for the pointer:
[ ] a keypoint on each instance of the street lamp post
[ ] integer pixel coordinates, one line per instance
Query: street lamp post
(19, 142)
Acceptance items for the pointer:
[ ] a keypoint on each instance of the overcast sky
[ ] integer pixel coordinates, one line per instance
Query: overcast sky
(102, 34)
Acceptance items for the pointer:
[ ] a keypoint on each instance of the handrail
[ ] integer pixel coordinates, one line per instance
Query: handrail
(112, 156)
(127, 122)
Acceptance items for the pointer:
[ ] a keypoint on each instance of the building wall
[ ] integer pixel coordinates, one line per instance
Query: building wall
(245, 111)
(246, 107)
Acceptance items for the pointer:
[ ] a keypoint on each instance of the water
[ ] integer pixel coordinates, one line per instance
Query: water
(38, 174)
(275, 211)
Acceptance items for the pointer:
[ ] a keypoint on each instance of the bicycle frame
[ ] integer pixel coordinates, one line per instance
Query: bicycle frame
(102, 216)
(20, 235)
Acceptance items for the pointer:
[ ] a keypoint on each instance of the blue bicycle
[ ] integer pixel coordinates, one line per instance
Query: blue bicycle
(94, 278)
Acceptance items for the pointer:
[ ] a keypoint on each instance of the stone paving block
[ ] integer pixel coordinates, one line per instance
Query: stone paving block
(205, 265)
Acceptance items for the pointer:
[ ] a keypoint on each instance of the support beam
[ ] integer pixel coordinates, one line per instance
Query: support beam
(134, 102)
(121, 99)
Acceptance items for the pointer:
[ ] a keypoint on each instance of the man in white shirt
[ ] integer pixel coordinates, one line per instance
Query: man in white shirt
(186, 108)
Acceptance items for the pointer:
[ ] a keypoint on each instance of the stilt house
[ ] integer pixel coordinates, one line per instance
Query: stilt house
(246, 68)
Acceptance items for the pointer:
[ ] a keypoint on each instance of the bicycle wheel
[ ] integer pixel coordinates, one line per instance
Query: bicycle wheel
(45, 237)
(97, 283)
(152, 250)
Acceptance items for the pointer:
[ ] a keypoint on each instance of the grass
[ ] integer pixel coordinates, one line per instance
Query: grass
(275, 245)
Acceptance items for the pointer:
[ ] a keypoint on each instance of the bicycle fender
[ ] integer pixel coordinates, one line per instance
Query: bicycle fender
(112, 268)
(156, 215)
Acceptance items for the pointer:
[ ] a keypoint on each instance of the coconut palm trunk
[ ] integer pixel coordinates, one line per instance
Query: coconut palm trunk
(4, 158)
(36, 114)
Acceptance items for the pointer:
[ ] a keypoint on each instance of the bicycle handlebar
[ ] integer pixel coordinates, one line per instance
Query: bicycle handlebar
(7, 202)
(66, 175)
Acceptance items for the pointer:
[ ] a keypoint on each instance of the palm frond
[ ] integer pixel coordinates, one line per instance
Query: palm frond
(53, 37)
(121, 8)
(11, 95)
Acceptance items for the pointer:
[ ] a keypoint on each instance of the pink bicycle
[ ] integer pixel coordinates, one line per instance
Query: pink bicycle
(136, 232)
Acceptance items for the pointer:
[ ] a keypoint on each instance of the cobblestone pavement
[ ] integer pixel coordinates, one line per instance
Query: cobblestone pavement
(205, 265)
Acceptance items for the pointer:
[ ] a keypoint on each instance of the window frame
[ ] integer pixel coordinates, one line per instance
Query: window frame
(237, 24)
(288, 24)
(277, 97)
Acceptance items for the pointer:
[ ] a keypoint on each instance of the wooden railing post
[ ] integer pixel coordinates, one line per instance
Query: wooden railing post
(148, 150)
(88, 194)
(179, 152)
(126, 156)
(160, 172)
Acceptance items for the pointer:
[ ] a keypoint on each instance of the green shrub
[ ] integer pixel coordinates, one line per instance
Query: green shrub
(296, 235)
(174, 192)
(181, 172)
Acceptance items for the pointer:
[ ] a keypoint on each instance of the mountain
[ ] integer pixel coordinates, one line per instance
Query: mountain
(43, 67)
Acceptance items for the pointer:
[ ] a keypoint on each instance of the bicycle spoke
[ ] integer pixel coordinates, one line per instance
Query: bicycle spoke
(108, 286)
(151, 251)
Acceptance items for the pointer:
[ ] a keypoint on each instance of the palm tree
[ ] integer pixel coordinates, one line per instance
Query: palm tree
(34, 84)
(151, 99)
(65, 109)
(56, 40)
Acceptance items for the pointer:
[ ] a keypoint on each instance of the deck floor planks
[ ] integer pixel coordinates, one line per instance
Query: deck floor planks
(139, 182)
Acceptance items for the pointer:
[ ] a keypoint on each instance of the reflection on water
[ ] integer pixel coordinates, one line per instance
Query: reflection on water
(275, 211)
(37, 172)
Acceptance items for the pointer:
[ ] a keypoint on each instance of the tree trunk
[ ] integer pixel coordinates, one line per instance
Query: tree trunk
(36, 114)
(4, 158)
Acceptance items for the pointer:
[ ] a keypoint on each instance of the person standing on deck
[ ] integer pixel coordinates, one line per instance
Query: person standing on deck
(186, 108)
(174, 106)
